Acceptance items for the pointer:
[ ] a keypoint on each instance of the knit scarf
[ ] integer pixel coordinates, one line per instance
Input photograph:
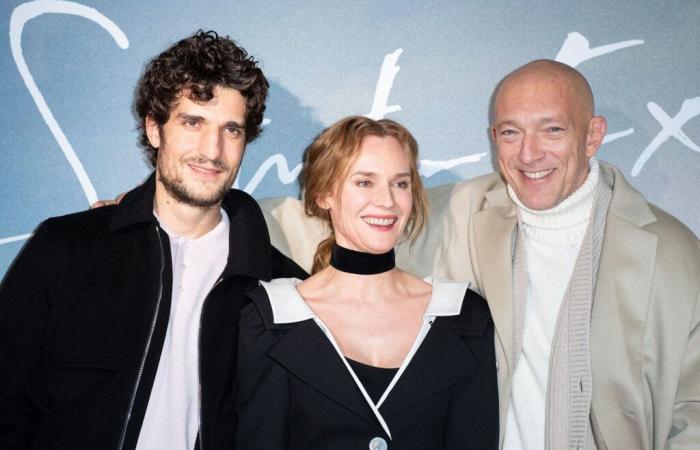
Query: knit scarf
(569, 387)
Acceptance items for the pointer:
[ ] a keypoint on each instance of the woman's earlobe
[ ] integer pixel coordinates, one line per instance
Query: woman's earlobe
(323, 203)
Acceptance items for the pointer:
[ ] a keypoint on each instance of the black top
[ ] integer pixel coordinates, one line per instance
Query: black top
(374, 379)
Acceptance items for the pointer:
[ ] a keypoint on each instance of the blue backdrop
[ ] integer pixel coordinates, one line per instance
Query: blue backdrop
(69, 70)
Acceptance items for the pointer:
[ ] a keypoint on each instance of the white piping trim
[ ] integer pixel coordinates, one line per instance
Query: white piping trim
(373, 407)
(445, 300)
(422, 333)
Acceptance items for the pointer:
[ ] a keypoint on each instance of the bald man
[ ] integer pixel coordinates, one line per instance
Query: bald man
(594, 291)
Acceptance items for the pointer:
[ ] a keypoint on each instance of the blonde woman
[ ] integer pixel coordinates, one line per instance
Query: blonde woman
(362, 354)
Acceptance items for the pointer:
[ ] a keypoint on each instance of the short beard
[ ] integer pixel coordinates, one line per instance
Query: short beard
(178, 191)
(181, 194)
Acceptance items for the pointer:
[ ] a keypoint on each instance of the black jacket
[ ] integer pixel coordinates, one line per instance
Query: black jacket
(296, 393)
(83, 315)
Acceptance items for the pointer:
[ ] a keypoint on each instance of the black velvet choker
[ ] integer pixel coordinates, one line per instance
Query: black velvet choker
(360, 263)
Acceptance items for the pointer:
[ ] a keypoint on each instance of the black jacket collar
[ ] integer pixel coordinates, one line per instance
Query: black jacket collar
(250, 251)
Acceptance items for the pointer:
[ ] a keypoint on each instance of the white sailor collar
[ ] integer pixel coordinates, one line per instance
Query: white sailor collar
(288, 306)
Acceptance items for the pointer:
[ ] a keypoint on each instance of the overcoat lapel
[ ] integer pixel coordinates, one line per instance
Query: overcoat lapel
(620, 304)
(494, 227)
(307, 353)
(442, 360)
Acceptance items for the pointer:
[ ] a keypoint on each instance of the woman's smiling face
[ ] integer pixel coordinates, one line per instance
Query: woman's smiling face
(371, 205)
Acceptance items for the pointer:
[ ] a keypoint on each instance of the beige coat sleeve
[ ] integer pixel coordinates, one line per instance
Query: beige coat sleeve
(685, 426)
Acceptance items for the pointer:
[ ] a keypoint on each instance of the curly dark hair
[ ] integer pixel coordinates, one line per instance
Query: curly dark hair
(197, 65)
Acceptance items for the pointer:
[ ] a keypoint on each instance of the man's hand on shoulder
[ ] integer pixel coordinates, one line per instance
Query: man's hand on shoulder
(101, 203)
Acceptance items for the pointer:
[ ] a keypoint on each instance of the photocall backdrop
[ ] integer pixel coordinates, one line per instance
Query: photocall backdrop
(69, 70)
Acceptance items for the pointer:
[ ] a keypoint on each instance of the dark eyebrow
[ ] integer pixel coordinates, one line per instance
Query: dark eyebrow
(402, 174)
(200, 119)
(185, 116)
(234, 124)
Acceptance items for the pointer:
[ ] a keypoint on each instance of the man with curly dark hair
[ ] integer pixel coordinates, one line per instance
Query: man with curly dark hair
(120, 323)
(194, 68)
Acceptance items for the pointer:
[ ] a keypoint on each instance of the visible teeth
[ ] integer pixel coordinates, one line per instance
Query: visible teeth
(536, 175)
(378, 221)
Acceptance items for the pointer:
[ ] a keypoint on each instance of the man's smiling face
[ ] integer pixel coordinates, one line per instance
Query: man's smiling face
(545, 134)
(200, 148)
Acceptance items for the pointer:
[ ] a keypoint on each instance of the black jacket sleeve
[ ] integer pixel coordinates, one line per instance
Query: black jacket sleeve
(262, 400)
(472, 419)
(24, 305)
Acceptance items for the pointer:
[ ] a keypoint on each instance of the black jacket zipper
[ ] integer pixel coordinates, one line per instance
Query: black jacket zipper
(148, 343)
(199, 362)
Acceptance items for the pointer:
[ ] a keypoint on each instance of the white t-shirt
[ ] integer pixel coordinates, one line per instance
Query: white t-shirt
(172, 415)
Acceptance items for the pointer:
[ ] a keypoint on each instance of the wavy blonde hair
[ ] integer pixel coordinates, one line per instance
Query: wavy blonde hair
(328, 160)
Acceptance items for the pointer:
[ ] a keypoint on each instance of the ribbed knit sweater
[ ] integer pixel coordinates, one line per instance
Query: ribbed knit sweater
(552, 240)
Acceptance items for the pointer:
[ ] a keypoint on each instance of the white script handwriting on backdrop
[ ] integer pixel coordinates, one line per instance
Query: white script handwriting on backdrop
(20, 16)
(670, 126)
(575, 50)
(380, 108)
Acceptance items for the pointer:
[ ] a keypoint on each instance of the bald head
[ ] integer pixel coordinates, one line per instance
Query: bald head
(558, 74)
(545, 131)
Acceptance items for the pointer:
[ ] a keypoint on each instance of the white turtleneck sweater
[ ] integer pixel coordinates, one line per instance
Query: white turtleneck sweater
(552, 241)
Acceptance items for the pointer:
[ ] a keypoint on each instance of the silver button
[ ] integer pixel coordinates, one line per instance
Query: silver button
(378, 444)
